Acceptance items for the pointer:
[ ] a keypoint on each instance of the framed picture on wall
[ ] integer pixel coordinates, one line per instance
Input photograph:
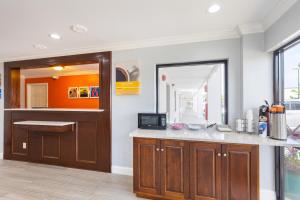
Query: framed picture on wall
(128, 78)
(73, 92)
(94, 91)
(84, 92)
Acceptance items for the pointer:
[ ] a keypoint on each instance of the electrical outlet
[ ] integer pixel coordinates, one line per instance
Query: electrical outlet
(24, 145)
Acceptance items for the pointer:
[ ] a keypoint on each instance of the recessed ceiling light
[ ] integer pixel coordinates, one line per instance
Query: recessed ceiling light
(58, 68)
(214, 8)
(54, 36)
(78, 28)
(39, 46)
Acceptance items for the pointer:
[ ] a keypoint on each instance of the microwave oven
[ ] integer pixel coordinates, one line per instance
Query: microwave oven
(156, 121)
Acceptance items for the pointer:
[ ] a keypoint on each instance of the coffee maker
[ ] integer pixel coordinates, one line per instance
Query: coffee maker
(263, 120)
(278, 126)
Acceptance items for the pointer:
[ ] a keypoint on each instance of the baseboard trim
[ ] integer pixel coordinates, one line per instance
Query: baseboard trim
(1, 156)
(122, 170)
(267, 194)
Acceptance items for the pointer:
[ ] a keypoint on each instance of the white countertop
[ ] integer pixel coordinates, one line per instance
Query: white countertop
(54, 109)
(212, 135)
(44, 123)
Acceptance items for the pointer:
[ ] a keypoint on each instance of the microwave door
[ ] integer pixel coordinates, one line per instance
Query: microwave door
(149, 121)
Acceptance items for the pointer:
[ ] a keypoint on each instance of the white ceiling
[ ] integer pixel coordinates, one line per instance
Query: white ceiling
(67, 71)
(187, 77)
(117, 24)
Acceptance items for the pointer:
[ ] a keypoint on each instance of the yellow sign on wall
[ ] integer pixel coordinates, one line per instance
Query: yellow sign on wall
(127, 79)
(128, 88)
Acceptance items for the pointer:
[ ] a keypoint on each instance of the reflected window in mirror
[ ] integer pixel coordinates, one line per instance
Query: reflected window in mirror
(193, 93)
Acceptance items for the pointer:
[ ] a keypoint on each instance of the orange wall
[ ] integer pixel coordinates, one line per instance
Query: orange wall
(58, 90)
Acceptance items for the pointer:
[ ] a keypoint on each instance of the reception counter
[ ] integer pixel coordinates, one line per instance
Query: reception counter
(67, 137)
(79, 138)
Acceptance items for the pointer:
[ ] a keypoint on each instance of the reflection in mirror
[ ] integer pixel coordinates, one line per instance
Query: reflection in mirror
(193, 94)
(75, 86)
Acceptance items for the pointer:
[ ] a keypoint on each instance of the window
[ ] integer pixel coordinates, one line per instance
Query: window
(287, 91)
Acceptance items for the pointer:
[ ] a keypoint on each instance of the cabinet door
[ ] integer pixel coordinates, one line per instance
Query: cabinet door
(205, 171)
(146, 161)
(174, 169)
(19, 140)
(35, 147)
(240, 173)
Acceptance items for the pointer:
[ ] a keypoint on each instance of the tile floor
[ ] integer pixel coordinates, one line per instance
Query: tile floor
(29, 181)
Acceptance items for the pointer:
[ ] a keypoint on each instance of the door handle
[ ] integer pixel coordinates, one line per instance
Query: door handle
(225, 154)
(219, 154)
(157, 149)
(162, 149)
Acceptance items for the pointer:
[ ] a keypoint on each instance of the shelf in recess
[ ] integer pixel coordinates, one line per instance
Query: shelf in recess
(46, 126)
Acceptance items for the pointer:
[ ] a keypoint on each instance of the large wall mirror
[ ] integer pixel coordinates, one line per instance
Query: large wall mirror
(193, 93)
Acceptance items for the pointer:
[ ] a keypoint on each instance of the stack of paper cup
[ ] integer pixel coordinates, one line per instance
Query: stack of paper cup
(240, 125)
(250, 120)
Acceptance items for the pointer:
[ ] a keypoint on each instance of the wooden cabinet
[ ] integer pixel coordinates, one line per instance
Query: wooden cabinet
(146, 166)
(84, 144)
(205, 173)
(19, 138)
(160, 168)
(173, 169)
(240, 172)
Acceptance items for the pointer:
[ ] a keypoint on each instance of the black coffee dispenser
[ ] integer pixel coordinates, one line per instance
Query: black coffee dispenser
(264, 116)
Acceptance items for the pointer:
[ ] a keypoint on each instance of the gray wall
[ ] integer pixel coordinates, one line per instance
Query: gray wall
(288, 25)
(257, 82)
(257, 72)
(125, 108)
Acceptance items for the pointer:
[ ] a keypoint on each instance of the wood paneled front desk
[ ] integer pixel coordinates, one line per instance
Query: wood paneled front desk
(198, 165)
(66, 137)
